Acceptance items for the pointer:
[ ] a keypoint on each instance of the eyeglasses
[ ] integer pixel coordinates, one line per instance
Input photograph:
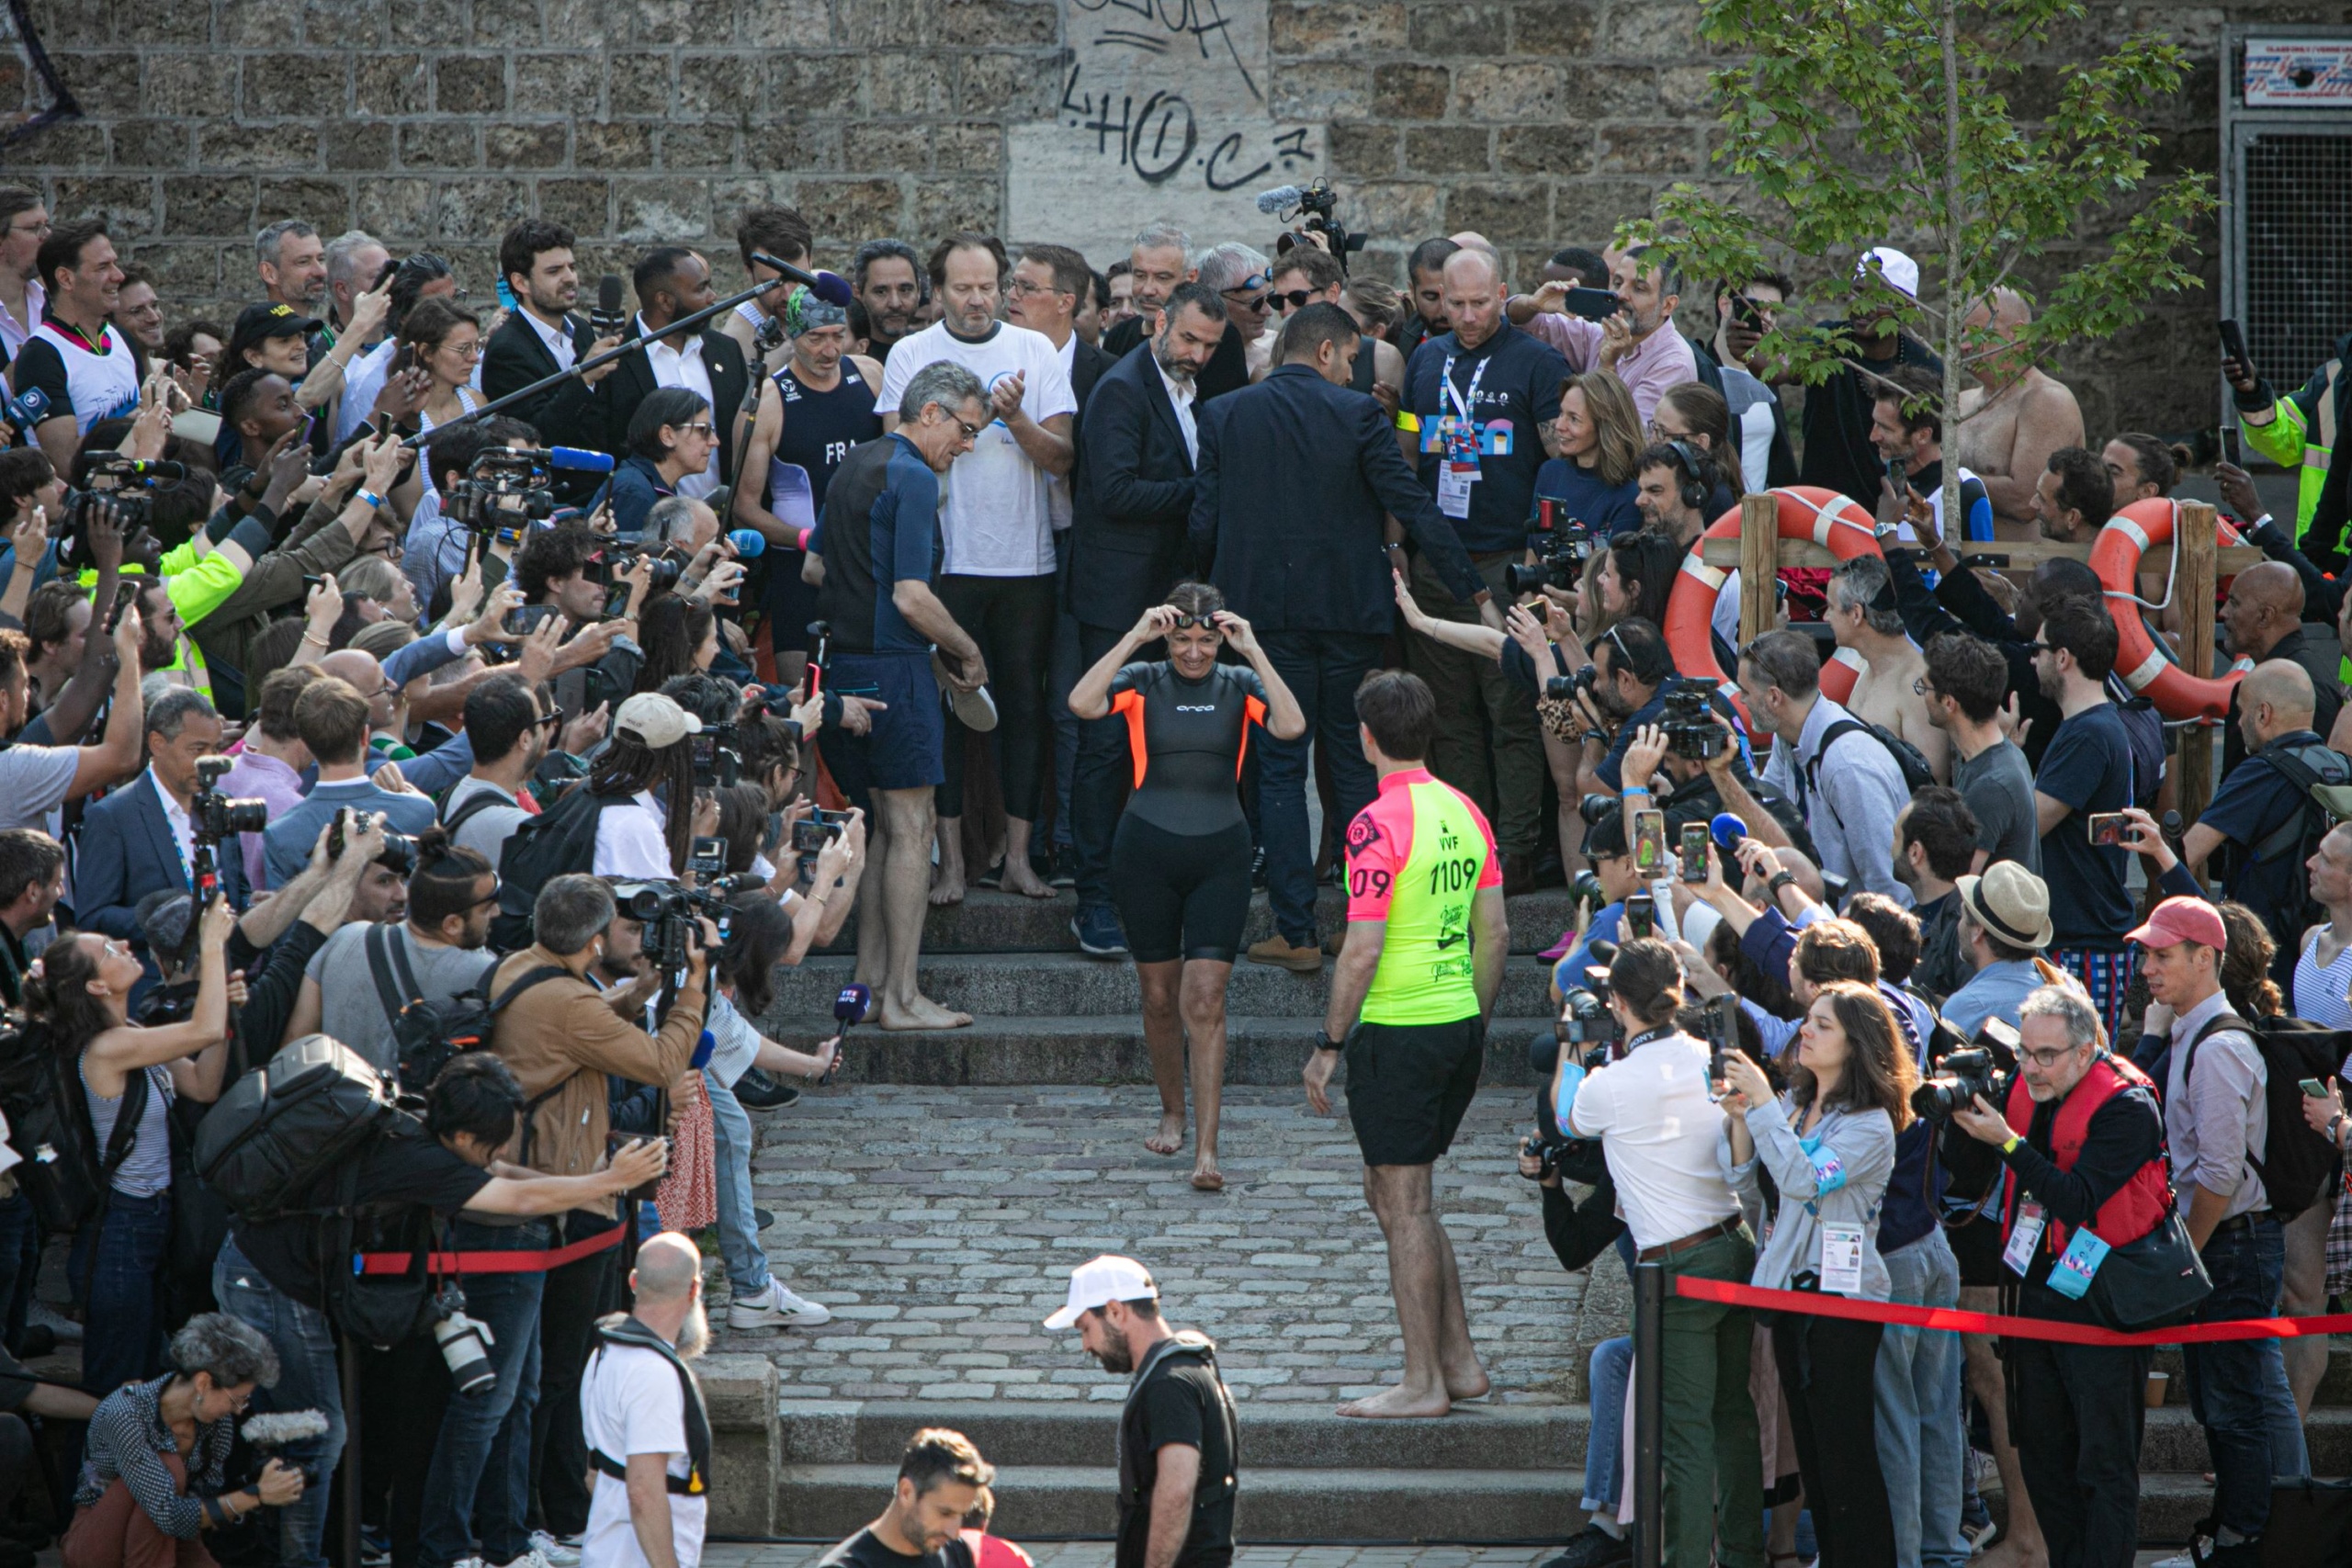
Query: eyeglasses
(1296, 299)
(703, 428)
(2039, 647)
(496, 887)
(971, 432)
(2046, 1060)
(464, 351)
(40, 227)
(1254, 302)
(1022, 286)
(548, 720)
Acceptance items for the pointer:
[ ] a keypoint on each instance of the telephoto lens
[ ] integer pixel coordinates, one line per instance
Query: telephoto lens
(465, 1347)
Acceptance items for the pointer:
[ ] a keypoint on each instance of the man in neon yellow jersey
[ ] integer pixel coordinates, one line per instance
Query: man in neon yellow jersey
(1410, 998)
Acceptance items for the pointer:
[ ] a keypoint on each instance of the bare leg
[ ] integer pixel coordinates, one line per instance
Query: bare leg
(1019, 877)
(906, 817)
(1399, 1196)
(1562, 762)
(1204, 1001)
(2020, 1545)
(947, 881)
(1457, 1357)
(1163, 1034)
(2305, 1295)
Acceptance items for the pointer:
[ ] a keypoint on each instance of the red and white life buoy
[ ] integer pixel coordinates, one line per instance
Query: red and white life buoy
(1836, 523)
(2115, 555)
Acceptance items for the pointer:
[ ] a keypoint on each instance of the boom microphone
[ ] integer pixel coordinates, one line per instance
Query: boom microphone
(831, 288)
(575, 457)
(1274, 201)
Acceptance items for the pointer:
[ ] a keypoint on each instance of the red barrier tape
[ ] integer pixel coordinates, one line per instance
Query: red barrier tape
(1722, 1292)
(536, 1262)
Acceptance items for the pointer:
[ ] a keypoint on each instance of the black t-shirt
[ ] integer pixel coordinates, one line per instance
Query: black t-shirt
(2089, 768)
(1183, 1404)
(866, 1549)
(409, 1169)
(1837, 451)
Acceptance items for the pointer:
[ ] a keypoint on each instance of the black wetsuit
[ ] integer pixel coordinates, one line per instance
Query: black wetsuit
(1179, 864)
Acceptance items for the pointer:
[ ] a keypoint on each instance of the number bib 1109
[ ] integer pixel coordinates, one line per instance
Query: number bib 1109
(1425, 974)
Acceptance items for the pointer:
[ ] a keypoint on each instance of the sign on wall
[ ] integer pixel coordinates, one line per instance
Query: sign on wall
(1164, 113)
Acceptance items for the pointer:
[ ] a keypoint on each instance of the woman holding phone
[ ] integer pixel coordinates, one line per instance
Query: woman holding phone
(1180, 860)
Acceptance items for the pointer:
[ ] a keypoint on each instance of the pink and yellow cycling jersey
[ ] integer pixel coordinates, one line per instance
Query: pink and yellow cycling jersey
(1416, 857)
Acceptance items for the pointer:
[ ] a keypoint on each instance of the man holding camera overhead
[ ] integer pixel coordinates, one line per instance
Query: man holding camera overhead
(331, 719)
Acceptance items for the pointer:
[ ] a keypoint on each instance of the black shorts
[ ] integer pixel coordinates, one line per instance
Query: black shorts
(1181, 895)
(1409, 1085)
(1976, 1245)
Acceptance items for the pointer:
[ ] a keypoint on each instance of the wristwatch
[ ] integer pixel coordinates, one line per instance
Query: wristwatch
(1323, 1042)
(1887, 533)
(1780, 879)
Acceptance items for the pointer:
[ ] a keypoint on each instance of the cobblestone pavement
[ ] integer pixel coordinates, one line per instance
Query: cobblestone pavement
(940, 1225)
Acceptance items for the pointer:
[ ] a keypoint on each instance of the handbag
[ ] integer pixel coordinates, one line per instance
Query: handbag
(2153, 1282)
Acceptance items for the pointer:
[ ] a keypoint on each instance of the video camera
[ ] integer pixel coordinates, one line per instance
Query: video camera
(1690, 723)
(719, 756)
(1576, 1159)
(1561, 545)
(1315, 209)
(1984, 1066)
(108, 480)
(666, 911)
(506, 490)
(215, 816)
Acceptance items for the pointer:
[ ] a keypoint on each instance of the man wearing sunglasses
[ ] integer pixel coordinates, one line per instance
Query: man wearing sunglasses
(1308, 275)
(511, 735)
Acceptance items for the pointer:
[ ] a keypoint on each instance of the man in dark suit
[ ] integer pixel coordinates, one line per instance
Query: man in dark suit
(1295, 476)
(140, 838)
(541, 336)
(673, 281)
(1129, 547)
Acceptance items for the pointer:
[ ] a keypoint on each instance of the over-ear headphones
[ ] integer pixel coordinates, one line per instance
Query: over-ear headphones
(1697, 487)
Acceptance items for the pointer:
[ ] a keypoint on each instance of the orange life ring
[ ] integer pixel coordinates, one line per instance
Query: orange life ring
(2115, 555)
(1834, 521)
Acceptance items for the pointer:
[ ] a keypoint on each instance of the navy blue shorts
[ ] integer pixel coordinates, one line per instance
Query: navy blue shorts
(908, 747)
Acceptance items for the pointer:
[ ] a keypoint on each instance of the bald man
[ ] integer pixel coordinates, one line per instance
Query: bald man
(2263, 807)
(1481, 393)
(641, 1410)
(2263, 619)
(2012, 422)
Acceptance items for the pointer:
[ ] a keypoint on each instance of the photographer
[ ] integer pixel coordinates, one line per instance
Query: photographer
(272, 1275)
(331, 719)
(140, 838)
(560, 1036)
(35, 780)
(2084, 1147)
(563, 571)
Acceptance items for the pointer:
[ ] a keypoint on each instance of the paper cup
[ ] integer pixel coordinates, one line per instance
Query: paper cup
(2157, 1383)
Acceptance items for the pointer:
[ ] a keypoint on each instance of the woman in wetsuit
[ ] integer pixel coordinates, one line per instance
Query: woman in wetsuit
(1180, 865)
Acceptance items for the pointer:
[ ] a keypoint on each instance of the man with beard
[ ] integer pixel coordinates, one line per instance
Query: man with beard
(1177, 1454)
(1638, 343)
(648, 1436)
(541, 336)
(941, 1477)
(885, 276)
(2087, 770)
(292, 262)
(511, 736)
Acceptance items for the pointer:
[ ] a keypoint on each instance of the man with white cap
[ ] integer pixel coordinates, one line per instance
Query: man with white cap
(1177, 1449)
(1838, 451)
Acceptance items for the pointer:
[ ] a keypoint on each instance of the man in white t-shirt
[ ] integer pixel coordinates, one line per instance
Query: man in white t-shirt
(996, 529)
(648, 1436)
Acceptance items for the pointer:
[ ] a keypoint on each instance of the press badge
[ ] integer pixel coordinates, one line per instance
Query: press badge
(1829, 1171)
(2023, 1239)
(2071, 1275)
(1841, 1259)
(1564, 1100)
(1454, 482)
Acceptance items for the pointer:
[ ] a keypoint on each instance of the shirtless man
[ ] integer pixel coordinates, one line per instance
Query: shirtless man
(2010, 425)
(783, 233)
(1892, 691)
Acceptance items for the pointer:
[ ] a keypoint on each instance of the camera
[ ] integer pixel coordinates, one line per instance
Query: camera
(1960, 1077)
(605, 566)
(1585, 1017)
(666, 911)
(464, 1343)
(108, 480)
(718, 762)
(1561, 545)
(1317, 206)
(1576, 1159)
(505, 492)
(216, 817)
(1564, 688)
(1690, 723)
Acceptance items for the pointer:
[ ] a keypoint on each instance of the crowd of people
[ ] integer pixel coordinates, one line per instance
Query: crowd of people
(501, 694)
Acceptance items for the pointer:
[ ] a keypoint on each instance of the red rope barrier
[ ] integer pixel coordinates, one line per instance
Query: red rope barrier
(1722, 1292)
(533, 1262)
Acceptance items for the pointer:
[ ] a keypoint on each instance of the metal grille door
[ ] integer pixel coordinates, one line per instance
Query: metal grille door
(2295, 211)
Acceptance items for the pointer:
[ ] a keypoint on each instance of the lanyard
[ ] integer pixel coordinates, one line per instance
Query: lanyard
(1464, 402)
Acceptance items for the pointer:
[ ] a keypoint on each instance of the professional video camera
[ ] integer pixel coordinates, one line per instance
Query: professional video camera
(506, 490)
(719, 756)
(1690, 723)
(1315, 209)
(1561, 545)
(215, 816)
(1983, 1067)
(666, 911)
(108, 480)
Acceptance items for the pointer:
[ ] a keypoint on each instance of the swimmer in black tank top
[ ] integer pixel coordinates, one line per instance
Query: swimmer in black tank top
(1180, 860)
(811, 413)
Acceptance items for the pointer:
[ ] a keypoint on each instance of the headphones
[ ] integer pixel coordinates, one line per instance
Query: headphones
(1694, 465)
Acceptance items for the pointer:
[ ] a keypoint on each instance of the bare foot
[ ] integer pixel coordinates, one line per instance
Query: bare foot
(1170, 1136)
(946, 885)
(1019, 878)
(2009, 1553)
(1392, 1404)
(1206, 1178)
(921, 1013)
(1470, 1382)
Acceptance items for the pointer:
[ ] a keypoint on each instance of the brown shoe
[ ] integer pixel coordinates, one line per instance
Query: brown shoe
(1277, 951)
(1518, 874)
(1331, 943)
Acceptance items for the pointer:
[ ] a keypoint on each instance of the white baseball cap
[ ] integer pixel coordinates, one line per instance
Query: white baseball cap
(655, 721)
(1900, 273)
(1098, 1280)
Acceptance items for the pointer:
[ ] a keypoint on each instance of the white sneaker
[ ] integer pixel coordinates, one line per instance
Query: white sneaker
(2183, 1560)
(776, 1307)
(533, 1558)
(554, 1549)
(40, 1315)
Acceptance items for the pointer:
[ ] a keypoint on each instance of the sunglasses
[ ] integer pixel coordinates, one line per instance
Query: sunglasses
(550, 721)
(1296, 299)
(1248, 284)
(1206, 622)
(700, 427)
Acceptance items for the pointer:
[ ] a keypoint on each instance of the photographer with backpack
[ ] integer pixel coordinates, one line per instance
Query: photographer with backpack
(272, 1272)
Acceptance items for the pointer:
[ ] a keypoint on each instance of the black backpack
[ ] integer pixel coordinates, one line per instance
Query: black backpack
(427, 1034)
(282, 1127)
(2319, 775)
(557, 842)
(2299, 1165)
(64, 1171)
(1916, 774)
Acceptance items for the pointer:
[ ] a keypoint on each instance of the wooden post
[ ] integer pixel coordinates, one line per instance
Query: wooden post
(1759, 567)
(2193, 585)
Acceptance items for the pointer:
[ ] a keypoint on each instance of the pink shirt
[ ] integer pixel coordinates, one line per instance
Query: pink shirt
(1380, 840)
(257, 777)
(1659, 361)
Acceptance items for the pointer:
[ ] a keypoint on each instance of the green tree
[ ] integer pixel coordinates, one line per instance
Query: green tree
(1852, 123)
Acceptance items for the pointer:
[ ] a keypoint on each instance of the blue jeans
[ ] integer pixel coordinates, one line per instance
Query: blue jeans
(1604, 1450)
(122, 1313)
(739, 1229)
(1322, 671)
(2228, 1382)
(308, 1379)
(19, 1262)
(1917, 1401)
(481, 1465)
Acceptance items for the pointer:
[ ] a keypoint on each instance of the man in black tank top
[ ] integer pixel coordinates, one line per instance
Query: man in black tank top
(1306, 276)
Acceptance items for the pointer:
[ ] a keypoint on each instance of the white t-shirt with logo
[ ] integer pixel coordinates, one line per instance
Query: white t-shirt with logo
(997, 517)
(630, 1403)
(55, 376)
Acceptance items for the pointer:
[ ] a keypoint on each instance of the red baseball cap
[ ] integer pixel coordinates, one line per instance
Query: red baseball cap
(2183, 918)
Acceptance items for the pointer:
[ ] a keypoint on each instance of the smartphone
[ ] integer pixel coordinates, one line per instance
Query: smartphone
(1745, 312)
(2312, 1089)
(1641, 916)
(335, 833)
(2234, 342)
(1649, 843)
(707, 857)
(2109, 828)
(1592, 304)
(1694, 851)
(506, 295)
(2230, 449)
(1900, 472)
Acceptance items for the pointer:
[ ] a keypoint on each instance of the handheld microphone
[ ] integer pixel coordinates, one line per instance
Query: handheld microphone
(608, 318)
(853, 1006)
(1274, 201)
(831, 288)
(1727, 830)
(750, 543)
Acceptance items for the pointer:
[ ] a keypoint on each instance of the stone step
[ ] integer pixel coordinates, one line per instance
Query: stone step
(1104, 1049)
(2335, 1385)
(989, 921)
(1031, 985)
(2173, 1440)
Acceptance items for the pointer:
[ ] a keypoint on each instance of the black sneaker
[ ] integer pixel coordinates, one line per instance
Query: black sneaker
(1258, 868)
(1596, 1548)
(1065, 872)
(1096, 926)
(757, 1091)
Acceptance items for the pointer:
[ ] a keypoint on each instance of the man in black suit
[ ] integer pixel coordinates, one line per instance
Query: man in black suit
(1295, 476)
(673, 281)
(1129, 546)
(541, 336)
